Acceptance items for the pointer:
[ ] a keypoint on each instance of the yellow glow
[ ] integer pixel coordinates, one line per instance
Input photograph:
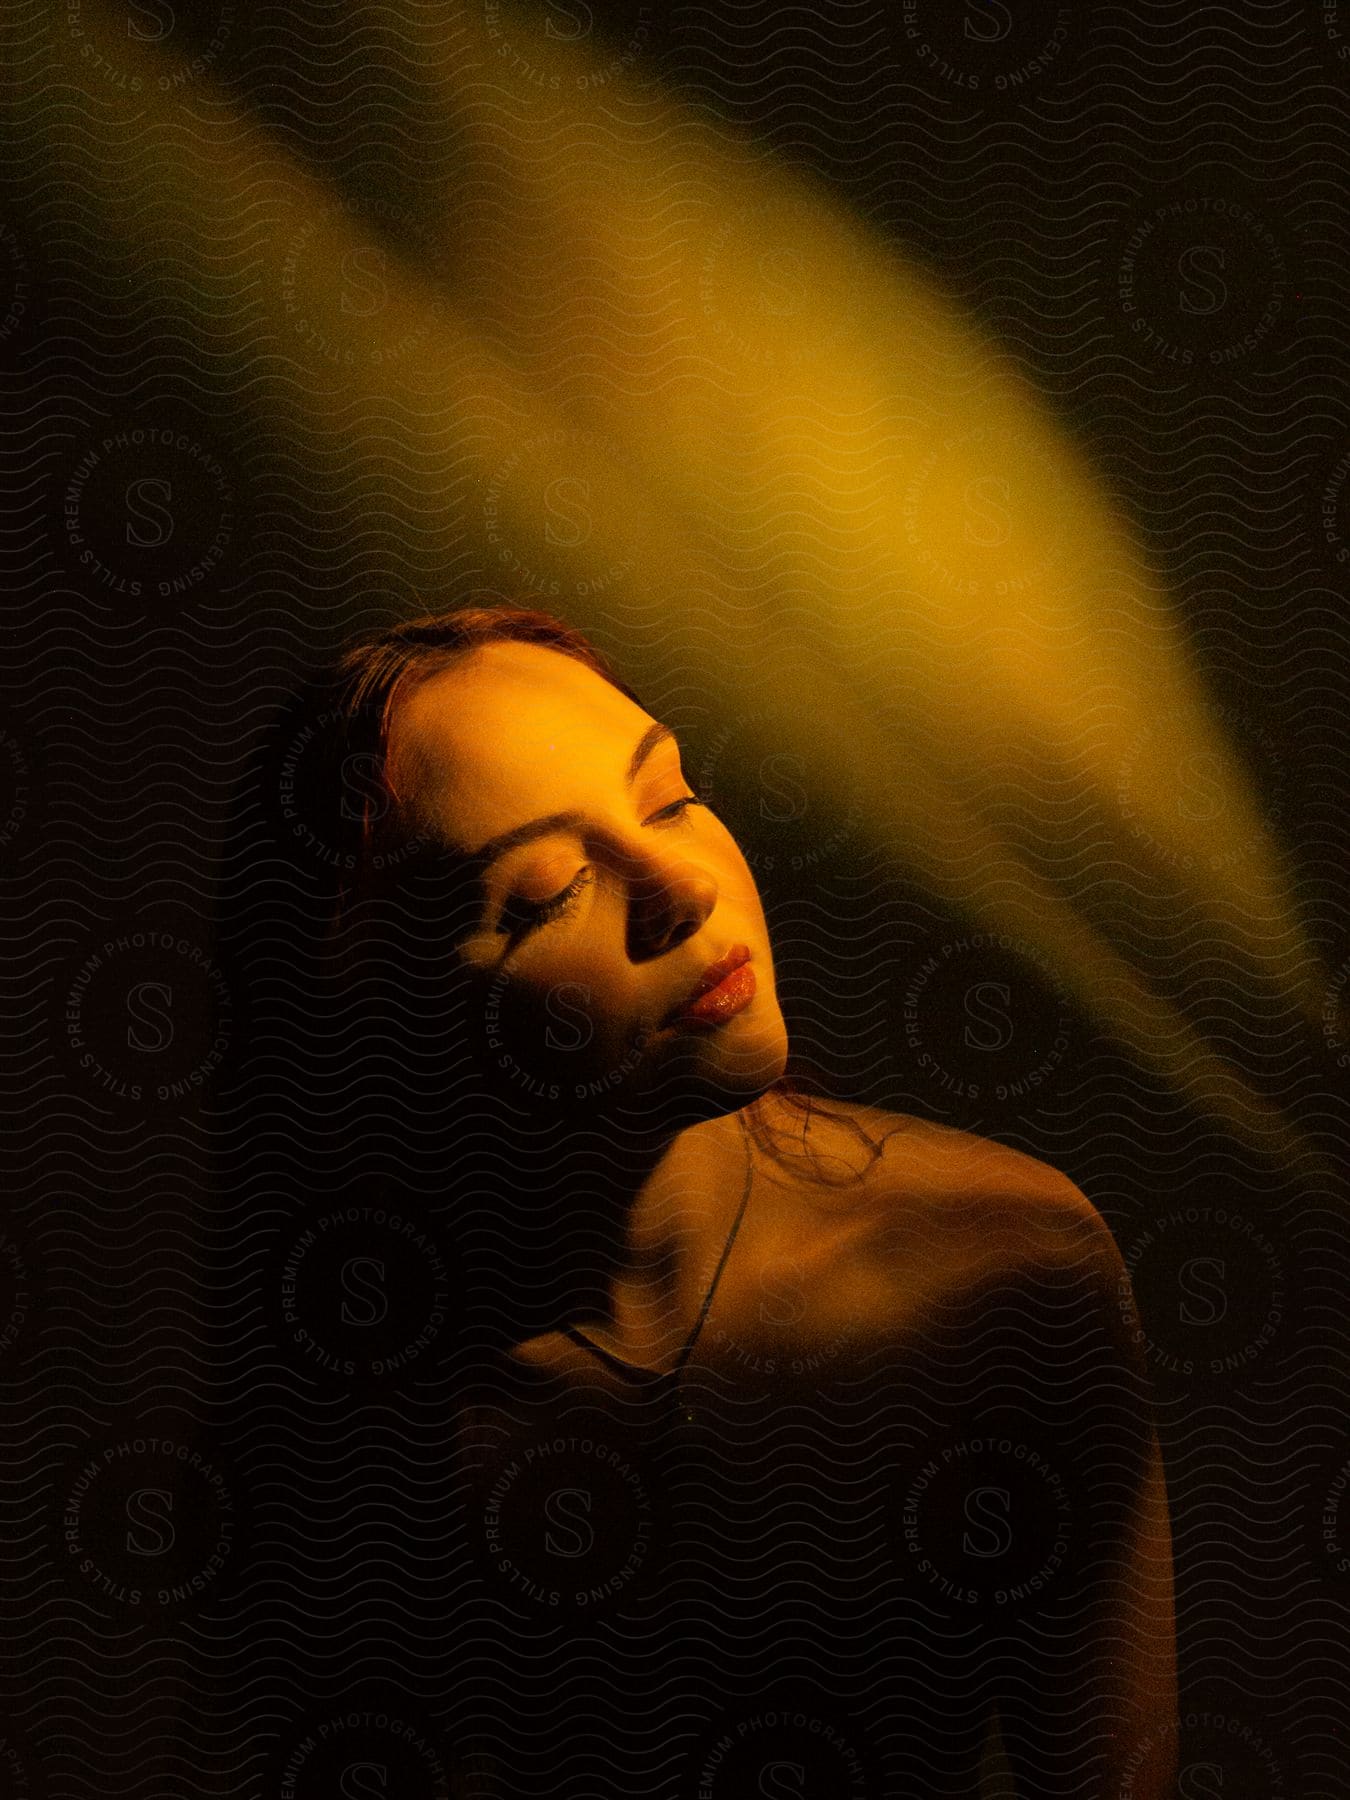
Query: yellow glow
(660, 371)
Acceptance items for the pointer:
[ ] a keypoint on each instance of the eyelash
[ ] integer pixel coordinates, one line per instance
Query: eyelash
(521, 916)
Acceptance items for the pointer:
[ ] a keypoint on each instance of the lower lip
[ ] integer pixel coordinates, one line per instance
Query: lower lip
(732, 994)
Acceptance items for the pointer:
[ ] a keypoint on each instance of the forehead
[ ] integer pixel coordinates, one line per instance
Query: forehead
(509, 732)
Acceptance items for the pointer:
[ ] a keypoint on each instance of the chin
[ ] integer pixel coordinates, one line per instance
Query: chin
(724, 1070)
(694, 1075)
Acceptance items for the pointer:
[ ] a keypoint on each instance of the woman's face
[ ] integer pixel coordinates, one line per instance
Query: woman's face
(595, 927)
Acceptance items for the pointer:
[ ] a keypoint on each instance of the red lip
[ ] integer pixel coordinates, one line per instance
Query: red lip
(711, 982)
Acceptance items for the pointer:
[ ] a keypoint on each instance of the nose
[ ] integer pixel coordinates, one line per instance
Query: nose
(670, 896)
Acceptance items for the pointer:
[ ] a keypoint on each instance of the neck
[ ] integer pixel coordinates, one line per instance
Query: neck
(670, 1197)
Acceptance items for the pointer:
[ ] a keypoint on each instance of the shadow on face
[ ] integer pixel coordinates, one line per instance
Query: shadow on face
(592, 891)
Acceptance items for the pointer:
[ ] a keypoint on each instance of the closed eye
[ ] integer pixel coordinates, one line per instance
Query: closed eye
(676, 809)
(519, 917)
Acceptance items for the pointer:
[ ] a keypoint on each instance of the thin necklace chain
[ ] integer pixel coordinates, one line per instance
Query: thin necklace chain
(634, 1372)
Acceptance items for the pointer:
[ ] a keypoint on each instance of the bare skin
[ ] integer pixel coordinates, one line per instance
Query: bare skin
(935, 1213)
(650, 889)
(937, 1222)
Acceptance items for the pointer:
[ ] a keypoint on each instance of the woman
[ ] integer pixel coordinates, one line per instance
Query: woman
(832, 1421)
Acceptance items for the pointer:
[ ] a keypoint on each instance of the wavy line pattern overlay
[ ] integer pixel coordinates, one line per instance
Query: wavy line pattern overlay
(936, 411)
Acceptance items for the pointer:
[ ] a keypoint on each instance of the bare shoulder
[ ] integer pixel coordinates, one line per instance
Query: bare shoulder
(933, 1191)
(914, 1226)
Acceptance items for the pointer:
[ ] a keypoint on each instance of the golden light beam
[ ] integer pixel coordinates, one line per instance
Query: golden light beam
(769, 363)
(753, 397)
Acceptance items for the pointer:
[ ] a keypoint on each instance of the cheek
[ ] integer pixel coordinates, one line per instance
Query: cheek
(578, 994)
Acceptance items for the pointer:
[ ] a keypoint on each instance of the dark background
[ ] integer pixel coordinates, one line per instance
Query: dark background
(145, 1235)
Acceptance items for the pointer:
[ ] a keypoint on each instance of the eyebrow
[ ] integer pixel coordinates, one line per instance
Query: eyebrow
(497, 847)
